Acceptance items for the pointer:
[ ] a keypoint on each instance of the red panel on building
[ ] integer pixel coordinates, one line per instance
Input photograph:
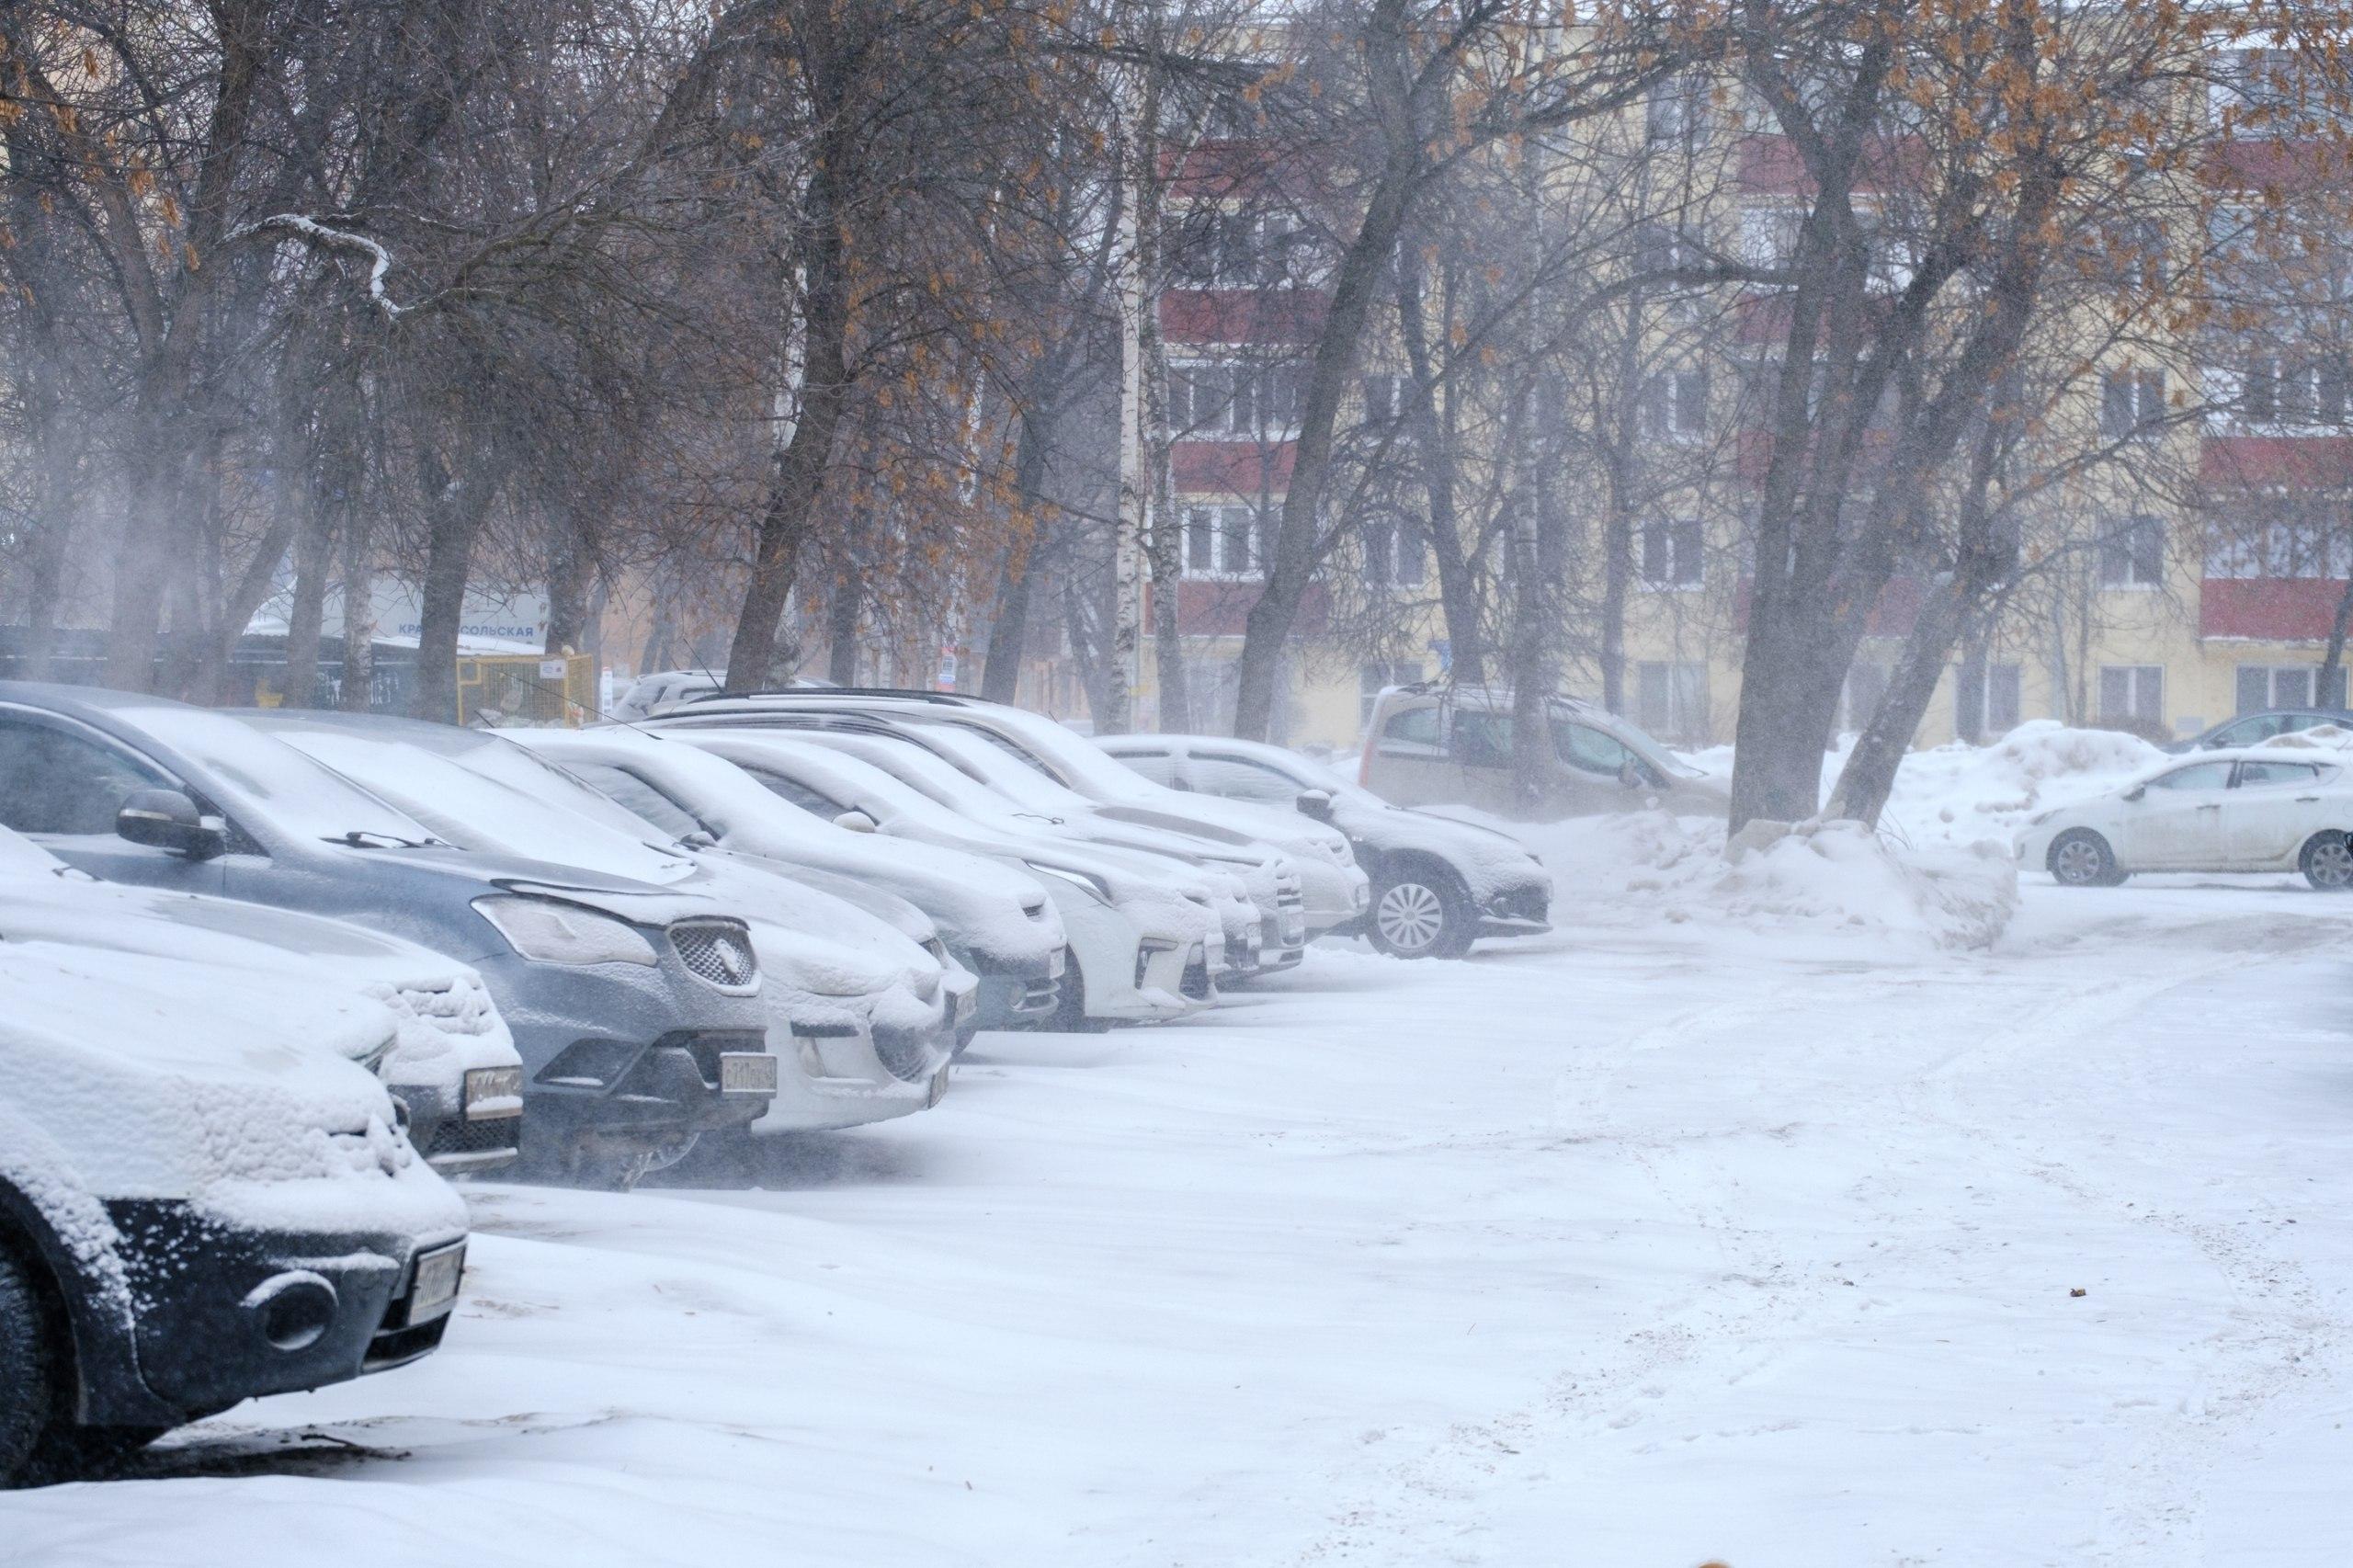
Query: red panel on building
(1220, 609)
(2271, 162)
(1242, 316)
(2296, 461)
(1230, 468)
(2273, 609)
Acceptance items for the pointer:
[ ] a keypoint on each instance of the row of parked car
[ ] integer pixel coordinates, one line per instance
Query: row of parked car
(270, 976)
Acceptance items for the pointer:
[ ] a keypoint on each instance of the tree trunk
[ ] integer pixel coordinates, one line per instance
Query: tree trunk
(842, 607)
(2333, 658)
(455, 507)
(1009, 626)
(313, 548)
(801, 466)
(569, 571)
(1458, 591)
(357, 695)
(1869, 776)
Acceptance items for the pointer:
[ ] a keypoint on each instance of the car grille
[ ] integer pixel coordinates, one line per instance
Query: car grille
(907, 1054)
(1288, 895)
(721, 954)
(454, 1137)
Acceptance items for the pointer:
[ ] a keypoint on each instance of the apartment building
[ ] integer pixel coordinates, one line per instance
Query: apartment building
(2200, 575)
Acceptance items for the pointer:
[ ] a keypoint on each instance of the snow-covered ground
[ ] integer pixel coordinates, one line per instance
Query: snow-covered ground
(1650, 1242)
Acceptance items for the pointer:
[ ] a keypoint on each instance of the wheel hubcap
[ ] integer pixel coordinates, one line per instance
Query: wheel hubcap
(1410, 915)
(2078, 862)
(2333, 864)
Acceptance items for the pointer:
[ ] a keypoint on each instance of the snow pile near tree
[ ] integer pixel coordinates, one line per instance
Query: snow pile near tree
(1958, 794)
(1812, 880)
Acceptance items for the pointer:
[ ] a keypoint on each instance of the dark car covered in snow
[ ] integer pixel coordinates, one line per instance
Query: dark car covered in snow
(203, 1198)
(636, 1010)
(1438, 884)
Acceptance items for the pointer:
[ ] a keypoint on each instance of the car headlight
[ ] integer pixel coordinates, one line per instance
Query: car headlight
(1086, 879)
(492, 1093)
(563, 933)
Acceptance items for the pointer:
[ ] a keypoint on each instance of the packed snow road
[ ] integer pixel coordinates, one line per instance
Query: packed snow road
(1651, 1243)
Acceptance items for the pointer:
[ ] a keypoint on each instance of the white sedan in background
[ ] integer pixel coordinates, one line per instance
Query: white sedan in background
(2264, 808)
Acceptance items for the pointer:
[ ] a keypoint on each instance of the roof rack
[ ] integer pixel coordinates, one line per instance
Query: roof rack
(911, 694)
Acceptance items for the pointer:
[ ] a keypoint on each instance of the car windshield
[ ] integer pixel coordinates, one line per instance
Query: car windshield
(996, 768)
(843, 777)
(920, 769)
(1077, 762)
(276, 782)
(489, 814)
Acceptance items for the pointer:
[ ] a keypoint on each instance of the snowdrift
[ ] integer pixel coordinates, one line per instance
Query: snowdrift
(1819, 877)
(1958, 793)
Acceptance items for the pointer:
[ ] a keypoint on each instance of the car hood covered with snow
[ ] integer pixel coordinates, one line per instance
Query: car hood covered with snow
(126, 1077)
(446, 1022)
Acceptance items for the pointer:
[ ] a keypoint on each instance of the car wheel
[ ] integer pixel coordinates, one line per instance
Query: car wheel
(2327, 861)
(1421, 914)
(1070, 1003)
(28, 1370)
(2081, 858)
(86, 1453)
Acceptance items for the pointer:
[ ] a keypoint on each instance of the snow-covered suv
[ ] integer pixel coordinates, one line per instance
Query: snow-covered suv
(202, 1199)
(453, 1068)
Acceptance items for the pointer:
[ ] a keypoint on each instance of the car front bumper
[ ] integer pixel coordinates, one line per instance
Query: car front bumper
(225, 1315)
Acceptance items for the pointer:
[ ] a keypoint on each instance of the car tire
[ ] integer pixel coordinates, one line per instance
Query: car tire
(2327, 861)
(1419, 911)
(1070, 1016)
(27, 1371)
(2081, 858)
(86, 1453)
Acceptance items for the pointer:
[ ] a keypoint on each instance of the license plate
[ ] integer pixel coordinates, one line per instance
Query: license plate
(438, 1275)
(746, 1072)
(939, 1088)
(1054, 965)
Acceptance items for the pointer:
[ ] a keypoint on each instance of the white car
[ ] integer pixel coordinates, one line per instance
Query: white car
(1141, 950)
(451, 1068)
(997, 921)
(2261, 809)
(1336, 888)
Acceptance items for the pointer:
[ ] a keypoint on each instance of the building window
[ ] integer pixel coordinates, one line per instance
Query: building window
(1385, 398)
(2289, 685)
(1860, 699)
(1221, 249)
(2277, 391)
(1671, 699)
(2302, 547)
(2134, 555)
(1379, 676)
(1671, 555)
(1395, 553)
(1768, 235)
(1223, 541)
(1677, 110)
(1985, 696)
(2132, 693)
(1674, 406)
(1220, 402)
(2132, 404)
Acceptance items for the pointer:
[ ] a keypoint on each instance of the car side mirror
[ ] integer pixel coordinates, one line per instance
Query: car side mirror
(1316, 803)
(2136, 792)
(856, 821)
(166, 819)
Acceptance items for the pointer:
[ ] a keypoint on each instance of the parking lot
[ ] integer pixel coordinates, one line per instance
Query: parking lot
(1635, 1243)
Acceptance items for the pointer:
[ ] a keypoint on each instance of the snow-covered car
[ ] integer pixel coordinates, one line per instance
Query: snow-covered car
(1256, 897)
(1452, 745)
(1334, 887)
(651, 694)
(636, 1010)
(1438, 884)
(453, 1068)
(995, 921)
(1141, 950)
(2255, 728)
(863, 1022)
(203, 1198)
(2257, 808)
